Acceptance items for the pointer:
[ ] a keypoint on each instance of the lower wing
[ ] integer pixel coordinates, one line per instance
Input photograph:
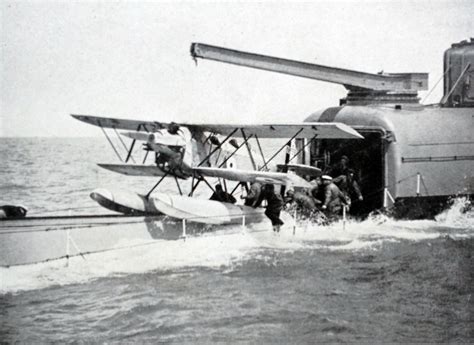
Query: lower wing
(253, 176)
(228, 174)
(134, 169)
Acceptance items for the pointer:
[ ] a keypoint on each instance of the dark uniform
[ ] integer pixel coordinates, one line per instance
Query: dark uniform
(304, 203)
(333, 200)
(340, 168)
(254, 197)
(274, 206)
(222, 196)
(349, 186)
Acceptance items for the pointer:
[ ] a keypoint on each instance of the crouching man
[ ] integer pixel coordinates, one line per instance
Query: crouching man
(334, 199)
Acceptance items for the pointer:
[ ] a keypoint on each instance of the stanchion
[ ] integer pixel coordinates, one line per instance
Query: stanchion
(243, 223)
(344, 217)
(418, 184)
(184, 229)
(67, 248)
(294, 222)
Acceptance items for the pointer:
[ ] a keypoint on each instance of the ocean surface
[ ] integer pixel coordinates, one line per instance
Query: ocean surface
(375, 281)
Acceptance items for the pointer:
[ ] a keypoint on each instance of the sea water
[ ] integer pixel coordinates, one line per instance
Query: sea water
(375, 281)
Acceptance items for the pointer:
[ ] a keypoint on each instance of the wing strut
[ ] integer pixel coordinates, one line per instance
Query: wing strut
(252, 160)
(123, 144)
(129, 155)
(148, 151)
(218, 146)
(301, 150)
(260, 148)
(179, 187)
(235, 151)
(281, 148)
(193, 186)
(110, 142)
(156, 185)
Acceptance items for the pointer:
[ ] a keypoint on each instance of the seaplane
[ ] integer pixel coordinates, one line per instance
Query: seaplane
(198, 152)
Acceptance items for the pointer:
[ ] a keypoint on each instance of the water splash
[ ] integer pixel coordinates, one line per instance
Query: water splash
(460, 214)
(222, 249)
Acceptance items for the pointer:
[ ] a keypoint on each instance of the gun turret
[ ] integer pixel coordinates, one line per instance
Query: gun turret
(363, 87)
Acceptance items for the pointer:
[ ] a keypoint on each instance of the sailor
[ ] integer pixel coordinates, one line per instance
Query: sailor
(349, 186)
(222, 196)
(11, 211)
(333, 197)
(340, 168)
(254, 196)
(317, 190)
(274, 206)
(175, 155)
(173, 128)
(303, 202)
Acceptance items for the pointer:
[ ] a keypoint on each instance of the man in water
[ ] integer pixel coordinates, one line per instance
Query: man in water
(254, 196)
(222, 196)
(317, 190)
(274, 206)
(334, 199)
(303, 202)
(349, 186)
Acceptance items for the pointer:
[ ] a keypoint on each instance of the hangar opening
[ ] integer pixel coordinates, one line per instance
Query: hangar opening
(366, 158)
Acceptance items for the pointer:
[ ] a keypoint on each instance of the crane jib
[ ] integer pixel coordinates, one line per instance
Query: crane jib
(353, 80)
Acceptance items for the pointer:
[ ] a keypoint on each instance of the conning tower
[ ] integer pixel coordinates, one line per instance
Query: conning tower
(459, 75)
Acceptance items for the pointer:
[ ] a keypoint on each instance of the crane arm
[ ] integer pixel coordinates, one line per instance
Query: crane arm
(352, 80)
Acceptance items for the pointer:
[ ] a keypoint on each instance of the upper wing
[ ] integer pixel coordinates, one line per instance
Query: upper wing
(320, 130)
(254, 176)
(133, 125)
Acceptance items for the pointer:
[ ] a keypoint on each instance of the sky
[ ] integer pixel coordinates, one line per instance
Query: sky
(131, 59)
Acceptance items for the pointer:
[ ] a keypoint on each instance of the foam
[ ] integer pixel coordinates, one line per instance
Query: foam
(226, 247)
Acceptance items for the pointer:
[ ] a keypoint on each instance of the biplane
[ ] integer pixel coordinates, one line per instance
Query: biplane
(197, 152)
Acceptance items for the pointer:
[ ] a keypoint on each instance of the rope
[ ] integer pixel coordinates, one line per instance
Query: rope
(63, 227)
(79, 254)
(82, 254)
(73, 226)
(62, 209)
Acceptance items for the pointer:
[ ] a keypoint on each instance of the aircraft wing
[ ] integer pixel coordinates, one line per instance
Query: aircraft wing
(322, 130)
(253, 176)
(228, 174)
(132, 125)
(300, 169)
(134, 169)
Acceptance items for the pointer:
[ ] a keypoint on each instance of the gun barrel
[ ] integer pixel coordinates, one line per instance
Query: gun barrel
(353, 80)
